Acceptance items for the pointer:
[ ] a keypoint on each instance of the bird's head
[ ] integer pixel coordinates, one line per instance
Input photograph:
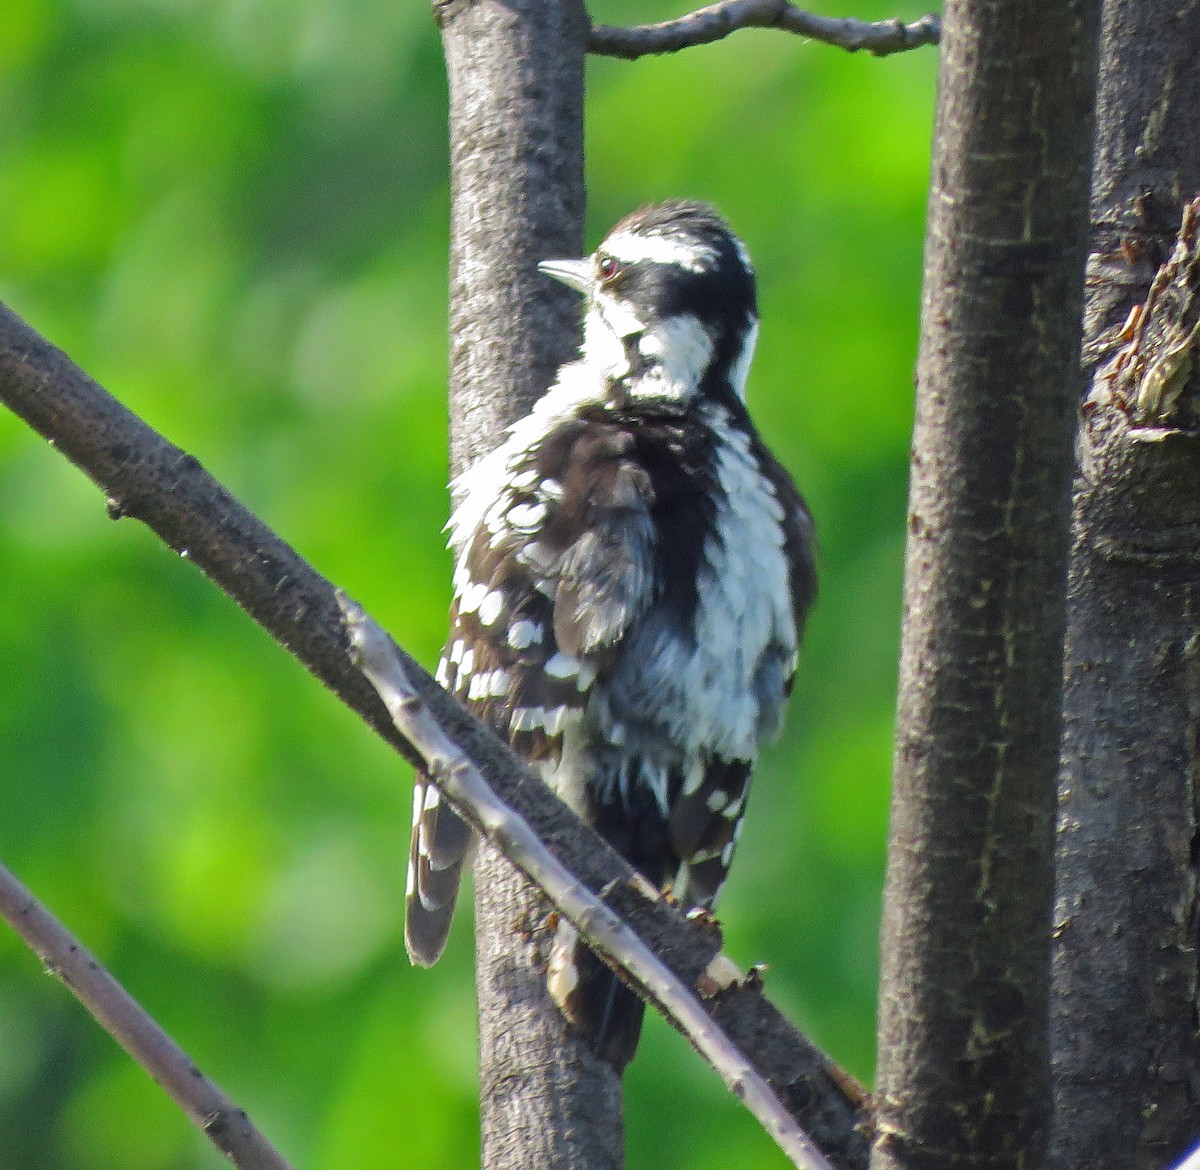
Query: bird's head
(671, 310)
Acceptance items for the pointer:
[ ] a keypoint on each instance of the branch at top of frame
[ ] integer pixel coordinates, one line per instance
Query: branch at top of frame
(880, 37)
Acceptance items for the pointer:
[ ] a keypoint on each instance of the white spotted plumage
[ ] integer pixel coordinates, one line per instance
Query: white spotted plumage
(632, 572)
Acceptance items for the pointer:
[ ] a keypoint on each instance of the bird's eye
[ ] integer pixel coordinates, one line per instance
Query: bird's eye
(607, 267)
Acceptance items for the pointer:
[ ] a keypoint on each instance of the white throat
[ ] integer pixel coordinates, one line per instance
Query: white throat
(677, 350)
(606, 324)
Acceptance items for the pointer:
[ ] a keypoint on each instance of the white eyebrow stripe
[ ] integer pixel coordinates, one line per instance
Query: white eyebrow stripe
(630, 248)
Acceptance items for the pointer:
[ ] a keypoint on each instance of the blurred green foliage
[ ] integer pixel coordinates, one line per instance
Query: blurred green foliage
(233, 214)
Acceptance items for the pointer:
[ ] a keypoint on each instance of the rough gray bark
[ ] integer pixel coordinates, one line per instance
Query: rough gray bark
(1124, 1027)
(516, 188)
(963, 1071)
(516, 175)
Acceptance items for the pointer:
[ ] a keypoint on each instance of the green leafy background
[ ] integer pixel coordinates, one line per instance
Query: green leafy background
(233, 214)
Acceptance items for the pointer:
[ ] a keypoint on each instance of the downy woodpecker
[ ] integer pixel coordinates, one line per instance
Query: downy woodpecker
(633, 571)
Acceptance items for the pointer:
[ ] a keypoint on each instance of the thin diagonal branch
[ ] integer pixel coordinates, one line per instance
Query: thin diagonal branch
(210, 1110)
(705, 25)
(146, 477)
(462, 782)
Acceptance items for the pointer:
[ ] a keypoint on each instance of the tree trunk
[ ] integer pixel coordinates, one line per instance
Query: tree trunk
(1124, 1028)
(963, 1072)
(516, 150)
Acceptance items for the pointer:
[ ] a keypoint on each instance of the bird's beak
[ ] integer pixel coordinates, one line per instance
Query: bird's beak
(576, 274)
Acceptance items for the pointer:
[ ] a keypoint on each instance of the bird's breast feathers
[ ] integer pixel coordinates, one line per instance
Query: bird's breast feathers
(643, 547)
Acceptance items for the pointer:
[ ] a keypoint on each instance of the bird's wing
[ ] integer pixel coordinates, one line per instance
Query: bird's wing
(556, 569)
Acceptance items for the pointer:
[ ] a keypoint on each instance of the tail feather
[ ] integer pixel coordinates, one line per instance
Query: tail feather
(425, 933)
(445, 836)
(441, 844)
(594, 999)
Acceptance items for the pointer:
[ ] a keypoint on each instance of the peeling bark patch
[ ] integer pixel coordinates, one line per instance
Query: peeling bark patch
(1148, 375)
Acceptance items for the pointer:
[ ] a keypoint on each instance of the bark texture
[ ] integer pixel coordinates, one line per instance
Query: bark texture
(516, 151)
(1124, 1029)
(964, 1072)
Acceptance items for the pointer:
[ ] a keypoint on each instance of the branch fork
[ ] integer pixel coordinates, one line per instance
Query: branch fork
(713, 23)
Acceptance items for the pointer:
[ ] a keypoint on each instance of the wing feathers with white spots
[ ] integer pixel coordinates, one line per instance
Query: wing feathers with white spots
(702, 829)
(552, 574)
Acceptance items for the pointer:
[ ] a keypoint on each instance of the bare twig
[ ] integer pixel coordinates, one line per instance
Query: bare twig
(221, 1120)
(705, 25)
(146, 477)
(462, 782)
